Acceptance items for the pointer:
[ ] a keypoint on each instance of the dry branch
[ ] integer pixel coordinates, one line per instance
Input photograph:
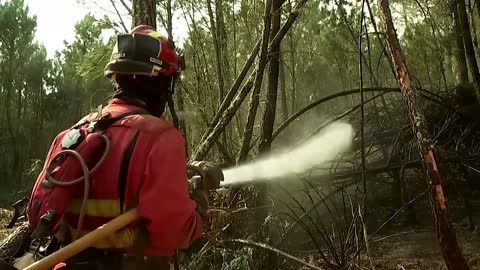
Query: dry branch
(119, 16)
(425, 94)
(356, 107)
(325, 99)
(445, 232)
(271, 249)
(127, 7)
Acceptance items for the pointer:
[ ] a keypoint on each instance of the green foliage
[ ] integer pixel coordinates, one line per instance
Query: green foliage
(42, 96)
(242, 260)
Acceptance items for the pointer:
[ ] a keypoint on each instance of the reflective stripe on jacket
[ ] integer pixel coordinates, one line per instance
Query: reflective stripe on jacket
(156, 183)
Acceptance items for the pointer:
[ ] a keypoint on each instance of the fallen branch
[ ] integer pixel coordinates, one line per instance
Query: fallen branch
(316, 131)
(389, 167)
(398, 234)
(325, 99)
(424, 94)
(271, 249)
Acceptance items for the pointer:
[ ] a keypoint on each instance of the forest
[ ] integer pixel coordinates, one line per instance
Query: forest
(264, 75)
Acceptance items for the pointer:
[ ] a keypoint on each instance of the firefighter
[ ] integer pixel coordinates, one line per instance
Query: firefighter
(145, 166)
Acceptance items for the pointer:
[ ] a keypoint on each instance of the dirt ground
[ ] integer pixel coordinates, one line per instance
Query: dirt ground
(420, 250)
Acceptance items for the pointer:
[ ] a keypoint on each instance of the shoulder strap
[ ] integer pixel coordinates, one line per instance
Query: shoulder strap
(106, 122)
(103, 124)
(122, 178)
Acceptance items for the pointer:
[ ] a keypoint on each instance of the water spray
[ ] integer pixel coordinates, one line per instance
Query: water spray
(335, 139)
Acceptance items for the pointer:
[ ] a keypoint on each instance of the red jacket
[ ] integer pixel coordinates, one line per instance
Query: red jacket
(156, 184)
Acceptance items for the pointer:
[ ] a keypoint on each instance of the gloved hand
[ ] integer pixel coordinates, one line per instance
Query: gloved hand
(211, 174)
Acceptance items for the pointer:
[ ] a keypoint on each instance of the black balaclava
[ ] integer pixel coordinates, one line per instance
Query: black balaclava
(151, 93)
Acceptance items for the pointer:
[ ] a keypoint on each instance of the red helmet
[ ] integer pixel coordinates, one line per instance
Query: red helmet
(144, 51)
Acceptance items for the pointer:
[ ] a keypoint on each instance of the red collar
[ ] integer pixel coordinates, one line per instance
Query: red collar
(123, 103)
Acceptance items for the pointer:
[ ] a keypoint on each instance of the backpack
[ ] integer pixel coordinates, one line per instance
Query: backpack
(69, 164)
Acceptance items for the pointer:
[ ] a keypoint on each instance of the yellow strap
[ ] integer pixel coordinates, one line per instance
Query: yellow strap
(95, 207)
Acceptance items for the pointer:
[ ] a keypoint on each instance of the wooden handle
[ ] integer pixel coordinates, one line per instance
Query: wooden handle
(85, 242)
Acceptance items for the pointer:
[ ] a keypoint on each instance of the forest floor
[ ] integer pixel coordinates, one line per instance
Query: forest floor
(420, 250)
(393, 251)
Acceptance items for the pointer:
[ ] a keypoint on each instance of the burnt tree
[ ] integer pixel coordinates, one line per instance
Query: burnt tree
(451, 252)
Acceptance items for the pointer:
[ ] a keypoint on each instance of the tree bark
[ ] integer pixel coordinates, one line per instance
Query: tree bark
(218, 53)
(283, 89)
(477, 3)
(468, 44)
(292, 48)
(182, 125)
(474, 29)
(271, 102)
(451, 252)
(462, 69)
(144, 13)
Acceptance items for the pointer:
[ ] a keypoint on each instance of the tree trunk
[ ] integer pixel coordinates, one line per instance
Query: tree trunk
(477, 3)
(462, 69)
(269, 120)
(221, 40)
(144, 13)
(233, 90)
(224, 116)
(271, 102)
(218, 53)
(471, 15)
(445, 233)
(255, 98)
(405, 198)
(467, 41)
(292, 49)
(283, 90)
(182, 125)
